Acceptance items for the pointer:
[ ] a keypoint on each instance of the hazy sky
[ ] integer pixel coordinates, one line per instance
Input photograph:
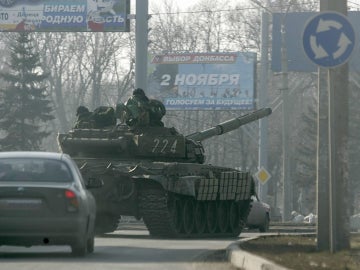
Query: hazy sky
(182, 4)
(185, 3)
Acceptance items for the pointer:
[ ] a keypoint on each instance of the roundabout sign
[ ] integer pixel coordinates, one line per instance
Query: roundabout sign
(329, 39)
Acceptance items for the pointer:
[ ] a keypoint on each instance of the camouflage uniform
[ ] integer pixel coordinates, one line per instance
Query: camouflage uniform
(104, 117)
(138, 109)
(157, 111)
(84, 118)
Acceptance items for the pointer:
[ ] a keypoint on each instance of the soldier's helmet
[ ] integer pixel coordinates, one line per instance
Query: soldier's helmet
(157, 108)
(81, 110)
(138, 92)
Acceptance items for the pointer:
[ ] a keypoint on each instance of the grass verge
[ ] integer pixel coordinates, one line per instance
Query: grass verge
(299, 253)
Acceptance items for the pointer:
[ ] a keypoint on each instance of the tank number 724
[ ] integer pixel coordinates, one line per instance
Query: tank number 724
(163, 146)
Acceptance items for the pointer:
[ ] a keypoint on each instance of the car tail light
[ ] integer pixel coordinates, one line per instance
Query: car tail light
(72, 201)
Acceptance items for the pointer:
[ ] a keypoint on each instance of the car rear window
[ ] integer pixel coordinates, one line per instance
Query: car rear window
(34, 170)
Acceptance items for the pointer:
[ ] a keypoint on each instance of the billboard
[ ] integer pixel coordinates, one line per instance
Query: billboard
(64, 15)
(294, 24)
(203, 81)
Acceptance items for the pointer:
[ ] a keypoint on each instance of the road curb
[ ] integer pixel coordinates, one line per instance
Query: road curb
(247, 261)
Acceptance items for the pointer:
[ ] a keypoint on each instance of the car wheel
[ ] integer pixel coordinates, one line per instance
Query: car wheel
(265, 227)
(90, 244)
(80, 249)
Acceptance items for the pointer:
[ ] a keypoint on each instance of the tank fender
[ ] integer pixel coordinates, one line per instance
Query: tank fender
(139, 170)
(141, 178)
(183, 185)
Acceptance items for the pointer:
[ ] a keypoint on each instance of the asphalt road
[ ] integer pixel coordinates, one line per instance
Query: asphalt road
(124, 249)
(131, 247)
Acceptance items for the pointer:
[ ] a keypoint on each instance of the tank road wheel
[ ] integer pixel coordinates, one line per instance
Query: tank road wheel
(200, 217)
(223, 216)
(188, 216)
(211, 217)
(175, 210)
(161, 211)
(234, 218)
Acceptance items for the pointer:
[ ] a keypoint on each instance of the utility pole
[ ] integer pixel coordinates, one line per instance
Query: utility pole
(141, 46)
(287, 188)
(338, 110)
(263, 99)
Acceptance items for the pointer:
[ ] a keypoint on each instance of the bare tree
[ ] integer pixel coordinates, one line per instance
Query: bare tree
(85, 69)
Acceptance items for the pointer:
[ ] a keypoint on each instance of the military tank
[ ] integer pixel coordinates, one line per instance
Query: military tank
(158, 174)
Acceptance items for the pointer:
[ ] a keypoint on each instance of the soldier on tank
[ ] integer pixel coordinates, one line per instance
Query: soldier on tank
(138, 109)
(104, 116)
(84, 118)
(122, 112)
(156, 111)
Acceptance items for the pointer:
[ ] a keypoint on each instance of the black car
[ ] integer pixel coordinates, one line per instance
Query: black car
(44, 201)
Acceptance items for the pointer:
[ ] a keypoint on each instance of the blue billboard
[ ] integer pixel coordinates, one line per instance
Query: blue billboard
(294, 25)
(64, 15)
(203, 81)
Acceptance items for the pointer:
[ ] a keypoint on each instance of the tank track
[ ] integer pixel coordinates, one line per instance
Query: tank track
(106, 223)
(169, 215)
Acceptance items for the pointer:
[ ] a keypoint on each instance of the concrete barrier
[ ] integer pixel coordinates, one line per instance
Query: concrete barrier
(247, 261)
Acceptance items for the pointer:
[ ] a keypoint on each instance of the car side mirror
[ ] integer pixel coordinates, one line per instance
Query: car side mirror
(94, 183)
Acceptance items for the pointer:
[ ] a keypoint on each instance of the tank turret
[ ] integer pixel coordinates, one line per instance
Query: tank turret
(158, 174)
(149, 142)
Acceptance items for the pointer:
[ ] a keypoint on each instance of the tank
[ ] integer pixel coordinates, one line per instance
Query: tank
(158, 174)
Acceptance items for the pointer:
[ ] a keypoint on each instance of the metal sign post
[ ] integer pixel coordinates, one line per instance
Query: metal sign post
(328, 41)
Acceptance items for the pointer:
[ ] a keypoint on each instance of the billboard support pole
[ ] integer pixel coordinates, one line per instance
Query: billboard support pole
(322, 163)
(263, 99)
(287, 185)
(338, 114)
(141, 47)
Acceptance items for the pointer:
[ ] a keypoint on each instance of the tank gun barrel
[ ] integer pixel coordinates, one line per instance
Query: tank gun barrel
(229, 125)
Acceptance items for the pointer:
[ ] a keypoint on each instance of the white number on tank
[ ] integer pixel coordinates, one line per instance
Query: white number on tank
(161, 146)
(156, 141)
(173, 147)
(165, 143)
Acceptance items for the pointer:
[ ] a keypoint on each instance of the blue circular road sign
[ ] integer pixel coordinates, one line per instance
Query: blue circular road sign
(329, 39)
